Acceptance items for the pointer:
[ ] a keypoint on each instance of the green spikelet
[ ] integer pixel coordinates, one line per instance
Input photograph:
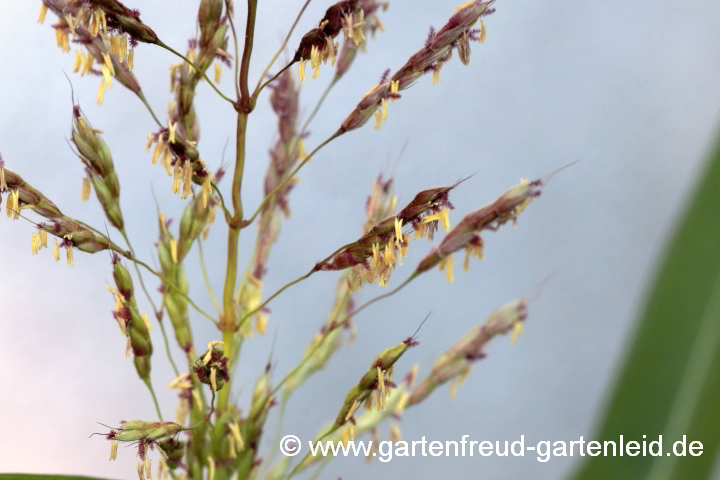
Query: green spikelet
(175, 287)
(134, 325)
(97, 158)
(373, 381)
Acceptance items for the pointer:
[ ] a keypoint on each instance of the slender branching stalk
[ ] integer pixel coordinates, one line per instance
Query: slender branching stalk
(260, 84)
(287, 179)
(198, 69)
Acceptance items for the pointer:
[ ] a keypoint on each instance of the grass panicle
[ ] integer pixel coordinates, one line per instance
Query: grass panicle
(224, 438)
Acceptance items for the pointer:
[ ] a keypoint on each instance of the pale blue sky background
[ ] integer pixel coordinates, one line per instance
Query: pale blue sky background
(628, 87)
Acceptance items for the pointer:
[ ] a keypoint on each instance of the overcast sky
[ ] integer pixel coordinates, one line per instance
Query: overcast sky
(630, 88)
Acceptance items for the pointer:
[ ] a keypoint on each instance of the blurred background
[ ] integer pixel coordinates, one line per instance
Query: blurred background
(629, 88)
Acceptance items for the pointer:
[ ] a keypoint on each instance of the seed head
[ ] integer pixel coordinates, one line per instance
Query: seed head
(456, 363)
(466, 234)
(212, 368)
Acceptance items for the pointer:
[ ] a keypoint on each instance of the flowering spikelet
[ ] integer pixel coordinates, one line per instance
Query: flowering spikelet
(111, 14)
(366, 423)
(97, 158)
(89, 28)
(179, 157)
(466, 235)
(143, 433)
(209, 46)
(175, 284)
(430, 58)
(371, 24)
(284, 155)
(249, 297)
(173, 452)
(382, 243)
(197, 218)
(328, 341)
(372, 382)
(73, 233)
(213, 369)
(252, 425)
(318, 46)
(136, 328)
(456, 363)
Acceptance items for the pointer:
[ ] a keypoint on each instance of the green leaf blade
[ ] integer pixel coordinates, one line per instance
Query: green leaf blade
(670, 383)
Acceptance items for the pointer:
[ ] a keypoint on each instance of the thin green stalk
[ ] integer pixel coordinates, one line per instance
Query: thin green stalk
(271, 297)
(155, 400)
(234, 225)
(307, 358)
(288, 285)
(200, 71)
(150, 269)
(386, 295)
(296, 138)
(258, 88)
(158, 313)
(299, 365)
(274, 77)
(228, 322)
(147, 105)
(338, 325)
(319, 103)
(236, 77)
(247, 53)
(227, 213)
(289, 177)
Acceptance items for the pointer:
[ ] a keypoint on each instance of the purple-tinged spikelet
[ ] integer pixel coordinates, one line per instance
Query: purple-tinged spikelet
(437, 50)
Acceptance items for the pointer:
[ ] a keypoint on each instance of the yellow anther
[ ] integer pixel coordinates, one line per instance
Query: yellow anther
(464, 5)
(43, 12)
(519, 329)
